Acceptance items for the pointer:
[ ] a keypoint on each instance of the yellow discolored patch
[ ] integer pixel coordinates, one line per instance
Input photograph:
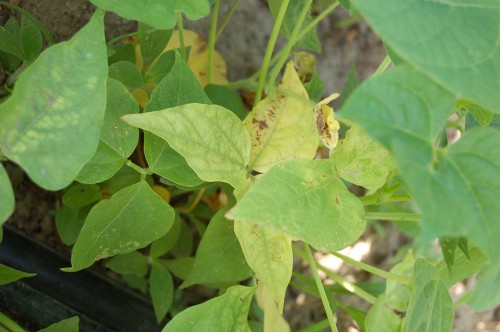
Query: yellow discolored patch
(141, 96)
(328, 127)
(162, 192)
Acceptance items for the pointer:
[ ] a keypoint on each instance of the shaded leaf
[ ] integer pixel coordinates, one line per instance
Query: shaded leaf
(152, 42)
(161, 288)
(397, 294)
(180, 267)
(117, 139)
(430, 307)
(127, 73)
(219, 258)
(80, 195)
(69, 222)
(30, 38)
(131, 219)
(51, 126)
(380, 318)
(130, 263)
(8, 274)
(269, 254)
(220, 95)
(290, 193)
(66, 325)
(463, 267)
(6, 196)
(224, 313)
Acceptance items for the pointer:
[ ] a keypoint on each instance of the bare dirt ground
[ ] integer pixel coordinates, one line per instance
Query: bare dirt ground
(242, 45)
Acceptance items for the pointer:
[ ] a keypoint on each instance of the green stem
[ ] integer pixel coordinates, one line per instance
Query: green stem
(302, 34)
(142, 171)
(241, 84)
(372, 269)
(211, 41)
(413, 217)
(340, 280)
(269, 51)
(9, 324)
(291, 41)
(180, 28)
(383, 65)
(321, 289)
(348, 21)
(378, 199)
(227, 18)
(114, 40)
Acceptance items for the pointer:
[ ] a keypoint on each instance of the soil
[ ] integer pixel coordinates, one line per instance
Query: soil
(242, 45)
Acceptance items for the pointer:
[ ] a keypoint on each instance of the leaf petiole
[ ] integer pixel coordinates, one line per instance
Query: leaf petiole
(143, 171)
(227, 18)
(413, 217)
(372, 269)
(211, 41)
(180, 28)
(9, 324)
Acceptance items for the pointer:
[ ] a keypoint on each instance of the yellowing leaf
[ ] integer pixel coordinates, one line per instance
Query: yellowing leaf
(282, 128)
(328, 127)
(198, 57)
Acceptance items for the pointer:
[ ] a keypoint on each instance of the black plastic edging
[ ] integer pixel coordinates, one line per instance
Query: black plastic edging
(53, 295)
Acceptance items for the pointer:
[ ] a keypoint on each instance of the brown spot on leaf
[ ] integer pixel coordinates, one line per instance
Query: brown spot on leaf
(261, 123)
(337, 200)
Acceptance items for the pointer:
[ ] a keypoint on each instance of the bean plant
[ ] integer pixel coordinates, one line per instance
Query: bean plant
(169, 181)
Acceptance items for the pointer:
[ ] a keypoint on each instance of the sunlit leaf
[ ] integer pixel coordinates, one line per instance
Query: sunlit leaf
(51, 123)
(361, 160)
(224, 313)
(381, 318)
(131, 219)
(273, 319)
(269, 254)
(304, 199)
(282, 128)
(211, 139)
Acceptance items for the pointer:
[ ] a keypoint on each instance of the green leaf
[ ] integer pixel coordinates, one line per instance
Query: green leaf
(127, 73)
(31, 39)
(282, 128)
(273, 320)
(269, 254)
(225, 97)
(117, 139)
(463, 58)
(9, 44)
(431, 307)
(131, 219)
(290, 193)
(397, 294)
(66, 325)
(310, 40)
(6, 196)
(180, 267)
(130, 263)
(8, 275)
(51, 123)
(135, 282)
(160, 68)
(361, 160)
(462, 267)
(161, 288)
(314, 86)
(80, 195)
(179, 87)
(486, 294)
(219, 258)
(380, 318)
(224, 313)
(160, 14)
(153, 42)
(167, 242)
(448, 247)
(69, 222)
(210, 137)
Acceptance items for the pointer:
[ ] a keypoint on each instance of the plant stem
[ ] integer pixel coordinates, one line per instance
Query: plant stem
(291, 42)
(196, 200)
(180, 28)
(306, 30)
(372, 269)
(118, 38)
(378, 199)
(321, 289)
(227, 18)
(383, 65)
(9, 324)
(269, 50)
(340, 280)
(142, 171)
(413, 217)
(211, 41)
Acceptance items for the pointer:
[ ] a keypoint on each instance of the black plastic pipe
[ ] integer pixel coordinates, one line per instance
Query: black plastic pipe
(53, 295)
